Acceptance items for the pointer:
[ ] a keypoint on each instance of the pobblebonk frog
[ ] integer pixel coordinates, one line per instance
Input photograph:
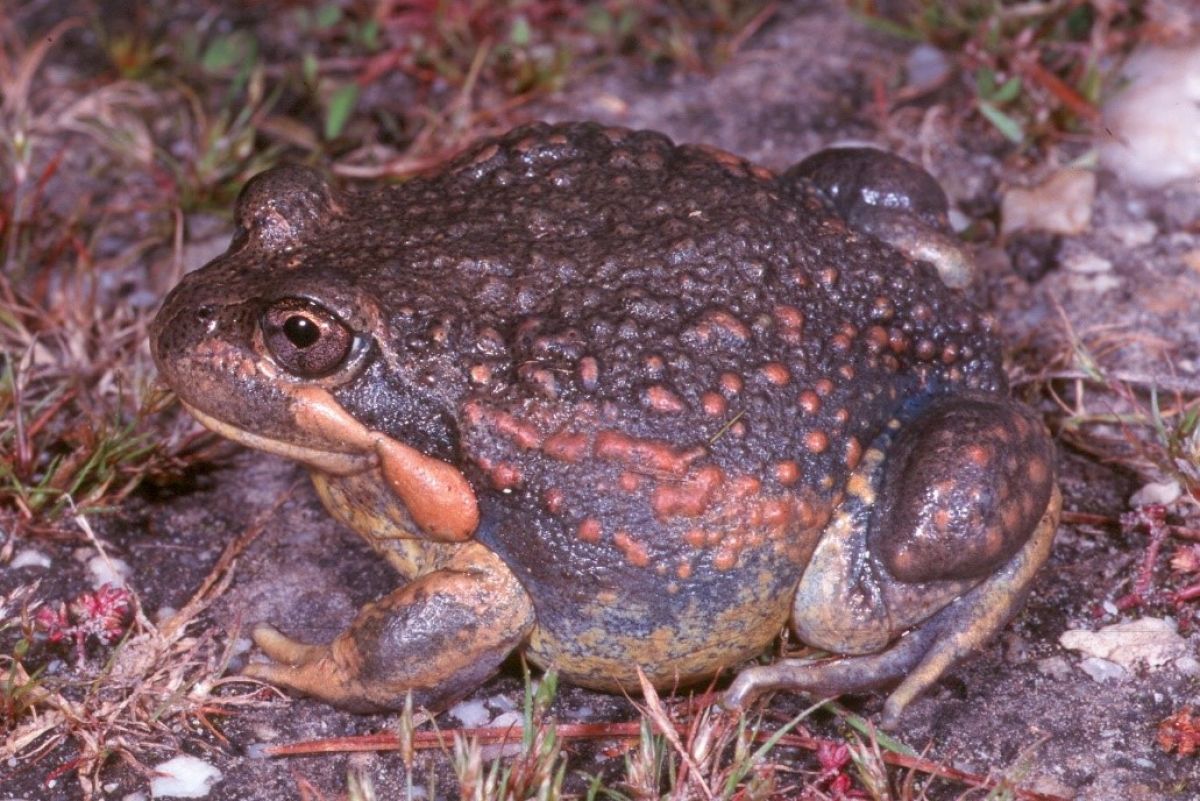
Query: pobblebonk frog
(621, 403)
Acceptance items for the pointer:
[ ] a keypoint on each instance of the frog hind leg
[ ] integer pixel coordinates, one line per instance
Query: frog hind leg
(951, 527)
(438, 637)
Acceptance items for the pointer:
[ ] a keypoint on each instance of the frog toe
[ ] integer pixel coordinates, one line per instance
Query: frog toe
(281, 648)
(303, 678)
(329, 672)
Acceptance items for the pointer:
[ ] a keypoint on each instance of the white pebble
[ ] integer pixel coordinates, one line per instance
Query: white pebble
(1165, 492)
(29, 557)
(108, 571)
(1086, 262)
(1151, 641)
(1101, 670)
(1188, 666)
(471, 714)
(1151, 130)
(1135, 234)
(184, 777)
(256, 751)
(502, 702)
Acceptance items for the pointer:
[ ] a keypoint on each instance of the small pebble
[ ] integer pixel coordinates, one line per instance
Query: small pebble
(1061, 204)
(1055, 667)
(1102, 671)
(1088, 271)
(926, 67)
(1188, 666)
(108, 571)
(1086, 262)
(266, 732)
(29, 557)
(256, 751)
(502, 702)
(1135, 234)
(1148, 136)
(471, 714)
(184, 777)
(1165, 493)
(1151, 641)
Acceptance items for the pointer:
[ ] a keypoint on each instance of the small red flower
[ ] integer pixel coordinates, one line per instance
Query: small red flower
(834, 758)
(53, 621)
(103, 614)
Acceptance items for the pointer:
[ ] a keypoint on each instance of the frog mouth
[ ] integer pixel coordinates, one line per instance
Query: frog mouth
(327, 461)
(439, 499)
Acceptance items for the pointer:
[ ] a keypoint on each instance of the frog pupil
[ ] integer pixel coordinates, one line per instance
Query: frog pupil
(301, 331)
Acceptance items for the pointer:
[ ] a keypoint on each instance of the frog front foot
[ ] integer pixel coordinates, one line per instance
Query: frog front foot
(944, 525)
(438, 637)
(890, 198)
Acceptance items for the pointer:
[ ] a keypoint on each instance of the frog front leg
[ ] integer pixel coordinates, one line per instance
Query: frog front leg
(944, 525)
(883, 195)
(439, 636)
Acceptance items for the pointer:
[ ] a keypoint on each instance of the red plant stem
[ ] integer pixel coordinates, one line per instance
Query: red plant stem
(1158, 535)
(423, 740)
(1093, 519)
(1187, 593)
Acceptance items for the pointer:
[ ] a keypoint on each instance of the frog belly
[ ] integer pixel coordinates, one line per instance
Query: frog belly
(603, 643)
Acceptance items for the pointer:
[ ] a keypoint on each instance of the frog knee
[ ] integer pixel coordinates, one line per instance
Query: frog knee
(969, 481)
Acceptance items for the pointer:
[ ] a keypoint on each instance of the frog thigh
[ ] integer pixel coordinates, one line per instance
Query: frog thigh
(944, 525)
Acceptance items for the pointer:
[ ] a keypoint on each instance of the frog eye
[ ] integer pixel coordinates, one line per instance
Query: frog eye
(307, 340)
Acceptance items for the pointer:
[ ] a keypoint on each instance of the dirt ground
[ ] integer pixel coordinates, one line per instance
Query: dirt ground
(1023, 704)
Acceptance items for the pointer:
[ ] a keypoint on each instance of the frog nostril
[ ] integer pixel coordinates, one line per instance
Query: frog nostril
(205, 313)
